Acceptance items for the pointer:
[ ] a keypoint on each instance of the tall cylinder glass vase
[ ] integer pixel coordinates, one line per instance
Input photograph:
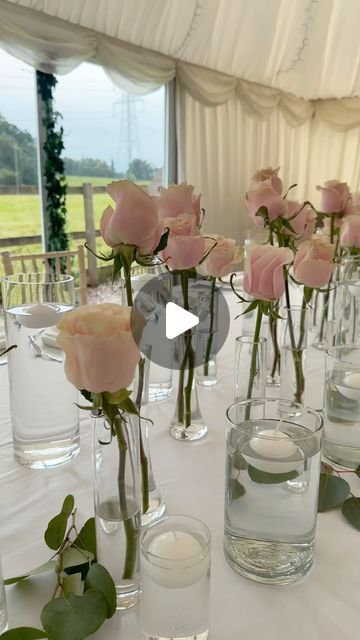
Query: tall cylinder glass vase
(45, 417)
(347, 312)
(250, 367)
(157, 294)
(187, 422)
(117, 502)
(153, 505)
(273, 354)
(293, 354)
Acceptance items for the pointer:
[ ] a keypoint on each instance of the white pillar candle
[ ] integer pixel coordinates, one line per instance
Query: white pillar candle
(174, 560)
(40, 315)
(351, 386)
(274, 447)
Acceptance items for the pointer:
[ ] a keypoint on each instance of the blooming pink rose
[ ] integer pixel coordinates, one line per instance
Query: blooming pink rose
(264, 277)
(134, 220)
(313, 264)
(185, 246)
(350, 231)
(272, 175)
(334, 196)
(302, 219)
(225, 257)
(264, 195)
(178, 199)
(101, 353)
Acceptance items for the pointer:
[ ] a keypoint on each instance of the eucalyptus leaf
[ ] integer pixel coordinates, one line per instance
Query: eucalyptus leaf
(56, 529)
(332, 491)
(237, 489)
(43, 568)
(263, 477)
(73, 557)
(73, 584)
(99, 578)
(239, 461)
(24, 633)
(351, 511)
(87, 538)
(74, 617)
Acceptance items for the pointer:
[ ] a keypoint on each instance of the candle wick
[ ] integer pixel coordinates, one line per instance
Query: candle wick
(277, 428)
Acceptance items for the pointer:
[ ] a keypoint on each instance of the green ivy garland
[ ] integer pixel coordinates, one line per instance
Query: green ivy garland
(54, 178)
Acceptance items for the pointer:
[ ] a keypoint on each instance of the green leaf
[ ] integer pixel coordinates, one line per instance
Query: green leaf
(75, 617)
(351, 511)
(308, 291)
(87, 538)
(100, 579)
(74, 557)
(332, 491)
(24, 633)
(237, 490)
(250, 308)
(263, 477)
(73, 584)
(163, 241)
(238, 461)
(43, 568)
(56, 529)
(357, 471)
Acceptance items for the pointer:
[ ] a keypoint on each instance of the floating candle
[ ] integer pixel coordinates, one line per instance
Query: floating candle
(351, 386)
(176, 560)
(274, 447)
(38, 316)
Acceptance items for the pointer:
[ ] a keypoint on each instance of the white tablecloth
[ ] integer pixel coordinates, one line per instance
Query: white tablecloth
(324, 606)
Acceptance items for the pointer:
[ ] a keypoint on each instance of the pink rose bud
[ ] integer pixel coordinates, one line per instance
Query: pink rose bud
(185, 246)
(178, 199)
(272, 175)
(134, 220)
(302, 219)
(264, 277)
(225, 257)
(334, 196)
(350, 232)
(264, 195)
(100, 351)
(313, 264)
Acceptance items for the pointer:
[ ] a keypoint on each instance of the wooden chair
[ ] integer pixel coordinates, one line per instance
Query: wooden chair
(38, 262)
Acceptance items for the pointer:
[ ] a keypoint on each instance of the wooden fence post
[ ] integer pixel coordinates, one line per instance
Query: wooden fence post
(87, 190)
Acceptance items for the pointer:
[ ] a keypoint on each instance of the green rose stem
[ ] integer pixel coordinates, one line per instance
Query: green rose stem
(273, 334)
(144, 463)
(253, 363)
(188, 362)
(211, 328)
(326, 295)
(296, 351)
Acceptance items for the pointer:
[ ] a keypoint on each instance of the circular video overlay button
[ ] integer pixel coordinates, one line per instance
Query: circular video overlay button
(170, 321)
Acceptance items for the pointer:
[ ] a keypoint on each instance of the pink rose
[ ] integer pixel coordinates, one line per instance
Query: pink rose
(334, 196)
(264, 195)
(101, 353)
(313, 264)
(264, 277)
(302, 219)
(272, 175)
(185, 246)
(350, 231)
(353, 204)
(224, 257)
(178, 199)
(134, 220)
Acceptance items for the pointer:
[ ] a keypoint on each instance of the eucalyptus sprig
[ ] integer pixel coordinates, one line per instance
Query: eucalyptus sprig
(334, 492)
(84, 594)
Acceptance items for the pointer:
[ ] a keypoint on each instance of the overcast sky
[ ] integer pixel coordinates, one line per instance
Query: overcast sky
(94, 113)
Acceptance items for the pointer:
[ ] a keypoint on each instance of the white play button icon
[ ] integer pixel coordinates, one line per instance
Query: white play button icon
(177, 320)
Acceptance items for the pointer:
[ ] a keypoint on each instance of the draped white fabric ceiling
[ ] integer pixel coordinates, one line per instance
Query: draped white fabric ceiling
(309, 48)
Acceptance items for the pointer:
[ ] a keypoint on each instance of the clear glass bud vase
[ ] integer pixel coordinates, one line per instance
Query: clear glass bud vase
(117, 502)
(293, 354)
(153, 505)
(187, 423)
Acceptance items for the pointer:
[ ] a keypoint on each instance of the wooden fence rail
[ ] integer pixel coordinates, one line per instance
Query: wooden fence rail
(87, 191)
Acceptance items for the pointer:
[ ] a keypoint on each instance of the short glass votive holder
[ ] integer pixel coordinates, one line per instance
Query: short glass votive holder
(3, 607)
(175, 564)
(250, 367)
(271, 489)
(342, 406)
